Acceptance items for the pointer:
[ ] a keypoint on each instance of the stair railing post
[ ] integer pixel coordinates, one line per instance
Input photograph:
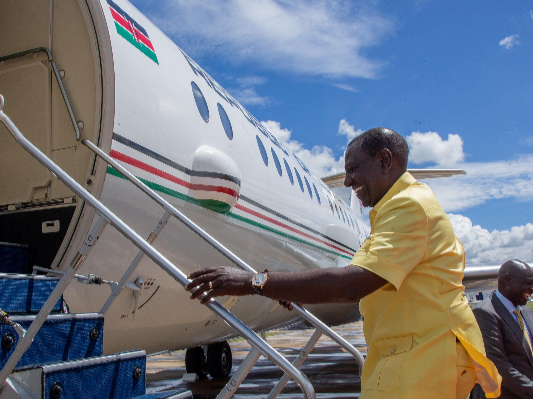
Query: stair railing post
(296, 363)
(238, 377)
(116, 289)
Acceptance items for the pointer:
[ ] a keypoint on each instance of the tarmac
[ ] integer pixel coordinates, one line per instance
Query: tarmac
(333, 372)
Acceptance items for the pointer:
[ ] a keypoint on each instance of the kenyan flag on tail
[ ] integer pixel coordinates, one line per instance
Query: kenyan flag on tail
(132, 31)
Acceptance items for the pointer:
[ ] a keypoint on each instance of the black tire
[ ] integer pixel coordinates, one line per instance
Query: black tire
(219, 360)
(195, 361)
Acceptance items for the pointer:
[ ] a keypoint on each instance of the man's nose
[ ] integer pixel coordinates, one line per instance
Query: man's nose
(348, 181)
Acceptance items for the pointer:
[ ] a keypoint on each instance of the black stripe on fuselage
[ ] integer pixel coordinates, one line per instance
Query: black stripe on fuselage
(181, 168)
(172, 164)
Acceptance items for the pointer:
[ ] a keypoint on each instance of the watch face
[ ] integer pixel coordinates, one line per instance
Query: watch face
(259, 279)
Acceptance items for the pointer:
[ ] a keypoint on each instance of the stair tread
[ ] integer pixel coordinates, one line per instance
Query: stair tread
(62, 337)
(117, 376)
(26, 294)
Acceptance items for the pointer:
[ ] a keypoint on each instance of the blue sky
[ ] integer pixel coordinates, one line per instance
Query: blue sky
(454, 78)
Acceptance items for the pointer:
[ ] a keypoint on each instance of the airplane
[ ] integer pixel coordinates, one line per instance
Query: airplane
(99, 70)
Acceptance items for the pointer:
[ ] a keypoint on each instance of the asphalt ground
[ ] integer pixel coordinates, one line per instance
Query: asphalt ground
(333, 372)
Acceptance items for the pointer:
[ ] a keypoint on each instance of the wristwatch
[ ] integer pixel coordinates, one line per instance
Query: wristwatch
(259, 280)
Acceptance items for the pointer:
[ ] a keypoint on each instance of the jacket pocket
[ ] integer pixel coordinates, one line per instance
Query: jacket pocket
(386, 374)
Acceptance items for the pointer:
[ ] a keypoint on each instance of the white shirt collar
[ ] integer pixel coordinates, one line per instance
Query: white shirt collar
(508, 304)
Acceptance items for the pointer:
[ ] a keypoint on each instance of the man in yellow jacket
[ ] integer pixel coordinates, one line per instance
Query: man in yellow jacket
(423, 339)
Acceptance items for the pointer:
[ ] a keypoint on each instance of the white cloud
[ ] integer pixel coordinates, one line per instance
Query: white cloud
(509, 41)
(247, 94)
(430, 147)
(313, 37)
(485, 181)
(482, 246)
(319, 159)
(531, 14)
(345, 87)
(348, 130)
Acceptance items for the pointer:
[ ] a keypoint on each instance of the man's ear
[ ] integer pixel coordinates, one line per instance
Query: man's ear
(385, 157)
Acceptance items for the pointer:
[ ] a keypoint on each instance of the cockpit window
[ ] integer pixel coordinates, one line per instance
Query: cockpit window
(262, 150)
(289, 173)
(225, 121)
(337, 209)
(316, 192)
(276, 161)
(299, 179)
(308, 187)
(201, 104)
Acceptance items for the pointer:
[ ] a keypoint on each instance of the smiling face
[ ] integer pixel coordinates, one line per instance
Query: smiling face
(366, 175)
(519, 286)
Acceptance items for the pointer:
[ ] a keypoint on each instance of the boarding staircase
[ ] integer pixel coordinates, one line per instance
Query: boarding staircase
(30, 328)
(65, 358)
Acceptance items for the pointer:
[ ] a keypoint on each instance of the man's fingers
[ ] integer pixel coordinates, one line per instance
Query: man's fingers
(200, 290)
(200, 280)
(211, 294)
(201, 272)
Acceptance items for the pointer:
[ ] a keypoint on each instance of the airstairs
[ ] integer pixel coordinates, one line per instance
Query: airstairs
(65, 358)
(50, 353)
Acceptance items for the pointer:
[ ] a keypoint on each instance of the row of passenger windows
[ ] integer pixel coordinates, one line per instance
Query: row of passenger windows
(264, 155)
(201, 104)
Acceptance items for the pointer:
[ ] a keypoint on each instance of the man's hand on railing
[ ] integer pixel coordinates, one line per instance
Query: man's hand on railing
(220, 281)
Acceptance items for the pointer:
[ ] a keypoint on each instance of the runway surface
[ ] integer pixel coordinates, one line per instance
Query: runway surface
(333, 372)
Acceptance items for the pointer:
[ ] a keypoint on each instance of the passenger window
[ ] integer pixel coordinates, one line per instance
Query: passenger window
(308, 187)
(225, 121)
(299, 179)
(317, 196)
(330, 205)
(262, 150)
(201, 104)
(289, 173)
(276, 161)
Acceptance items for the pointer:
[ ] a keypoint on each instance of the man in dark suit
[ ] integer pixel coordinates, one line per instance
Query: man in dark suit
(507, 327)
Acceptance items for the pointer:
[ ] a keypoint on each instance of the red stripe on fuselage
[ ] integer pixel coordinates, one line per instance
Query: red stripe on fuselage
(167, 176)
(274, 221)
(124, 23)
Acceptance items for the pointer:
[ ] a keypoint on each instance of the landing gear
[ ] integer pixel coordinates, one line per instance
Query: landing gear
(219, 360)
(217, 363)
(195, 361)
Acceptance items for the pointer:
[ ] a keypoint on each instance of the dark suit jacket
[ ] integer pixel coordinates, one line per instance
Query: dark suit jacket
(507, 347)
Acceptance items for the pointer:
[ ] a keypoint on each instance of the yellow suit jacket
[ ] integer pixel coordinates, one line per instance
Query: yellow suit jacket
(411, 323)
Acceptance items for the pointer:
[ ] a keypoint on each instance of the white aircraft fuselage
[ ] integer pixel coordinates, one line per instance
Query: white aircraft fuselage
(152, 108)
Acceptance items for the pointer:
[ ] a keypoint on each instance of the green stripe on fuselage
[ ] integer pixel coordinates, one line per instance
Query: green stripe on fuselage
(129, 37)
(220, 205)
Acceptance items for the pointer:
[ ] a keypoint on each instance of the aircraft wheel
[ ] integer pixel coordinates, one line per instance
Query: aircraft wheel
(219, 359)
(195, 361)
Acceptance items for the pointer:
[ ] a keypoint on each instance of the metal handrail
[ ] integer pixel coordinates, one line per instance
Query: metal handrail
(318, 324)
(109, 217)
(58, 77)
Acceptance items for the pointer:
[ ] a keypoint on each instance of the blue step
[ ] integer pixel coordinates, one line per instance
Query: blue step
(13, 258)
(62, 337)
(179, 394)
(118, 376)
(26, 294)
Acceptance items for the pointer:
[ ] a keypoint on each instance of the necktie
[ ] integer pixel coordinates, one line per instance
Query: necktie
(523, 328)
